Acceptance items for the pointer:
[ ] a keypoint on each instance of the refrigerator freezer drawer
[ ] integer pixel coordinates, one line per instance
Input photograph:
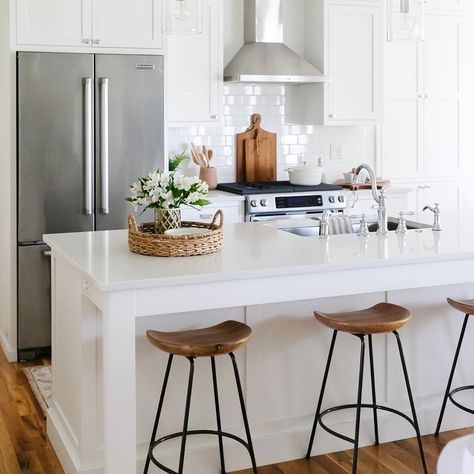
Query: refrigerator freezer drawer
(34, 300)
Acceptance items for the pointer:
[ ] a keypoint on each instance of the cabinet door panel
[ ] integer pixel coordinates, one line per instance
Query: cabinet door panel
(126, 24)
(53, 22)
(195, 71)
(355, 62)
(401, 143)
(442, 97)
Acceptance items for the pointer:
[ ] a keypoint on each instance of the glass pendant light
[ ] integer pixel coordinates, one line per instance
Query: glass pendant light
(405, 20)
(183, 16)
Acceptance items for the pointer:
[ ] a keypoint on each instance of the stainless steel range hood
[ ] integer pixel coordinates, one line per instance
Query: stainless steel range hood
(264, 57)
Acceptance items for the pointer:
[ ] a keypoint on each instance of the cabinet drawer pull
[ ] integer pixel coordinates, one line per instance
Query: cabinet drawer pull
(86, 40)
(96, 41)
(332, 115)
(214, 116)
(206, 216)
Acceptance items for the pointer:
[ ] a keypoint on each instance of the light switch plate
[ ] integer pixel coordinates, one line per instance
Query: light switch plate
(336, 151)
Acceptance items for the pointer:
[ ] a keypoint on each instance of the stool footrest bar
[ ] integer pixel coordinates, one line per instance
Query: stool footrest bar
(455, 402)
(190, 433)
(352, 406)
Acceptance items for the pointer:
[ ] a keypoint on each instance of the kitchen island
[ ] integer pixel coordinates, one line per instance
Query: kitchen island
(107, 377)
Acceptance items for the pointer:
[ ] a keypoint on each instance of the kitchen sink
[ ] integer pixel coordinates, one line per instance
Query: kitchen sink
(392, 223)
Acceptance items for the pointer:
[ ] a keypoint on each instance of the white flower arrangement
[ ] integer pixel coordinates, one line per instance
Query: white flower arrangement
(168, 190)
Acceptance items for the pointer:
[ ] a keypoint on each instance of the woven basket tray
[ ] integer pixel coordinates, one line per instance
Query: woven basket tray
(142, 239)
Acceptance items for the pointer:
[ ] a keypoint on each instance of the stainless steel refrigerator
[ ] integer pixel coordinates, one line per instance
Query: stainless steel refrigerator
(88, 126)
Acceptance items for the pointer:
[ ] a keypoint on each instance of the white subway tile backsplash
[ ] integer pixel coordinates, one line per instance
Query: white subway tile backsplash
(294, 139)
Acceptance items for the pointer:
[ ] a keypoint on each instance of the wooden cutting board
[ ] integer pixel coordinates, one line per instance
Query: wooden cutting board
(256, 153)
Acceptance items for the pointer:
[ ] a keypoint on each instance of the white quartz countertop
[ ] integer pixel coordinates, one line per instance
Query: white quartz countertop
(253, 250)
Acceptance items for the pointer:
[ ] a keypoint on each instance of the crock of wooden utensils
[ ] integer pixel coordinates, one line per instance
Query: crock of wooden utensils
(203, 159)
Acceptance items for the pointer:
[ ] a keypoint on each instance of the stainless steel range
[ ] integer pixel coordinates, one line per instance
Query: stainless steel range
(265, 201)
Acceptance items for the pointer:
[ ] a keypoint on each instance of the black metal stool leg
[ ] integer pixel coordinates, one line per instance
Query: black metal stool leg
(374, 399)
(359, 403)
(451, 375)
(158, 411)
(186, 415)
(244, 412)
(218, 414)
(412, 404)
(321, 394)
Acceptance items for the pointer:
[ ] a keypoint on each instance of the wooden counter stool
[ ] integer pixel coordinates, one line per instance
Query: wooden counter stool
(381, 318)
(208, 342)
(466, 307)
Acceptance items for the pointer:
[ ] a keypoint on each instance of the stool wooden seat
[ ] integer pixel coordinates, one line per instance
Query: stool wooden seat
(215, 340)
(465, 306)
(383, 317)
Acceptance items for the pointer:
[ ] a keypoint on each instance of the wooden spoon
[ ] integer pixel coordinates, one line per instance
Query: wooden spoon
(210, 154)
(197, 157)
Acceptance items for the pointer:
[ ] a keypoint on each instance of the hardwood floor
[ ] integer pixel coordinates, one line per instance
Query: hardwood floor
(24, 447)
(400, 457)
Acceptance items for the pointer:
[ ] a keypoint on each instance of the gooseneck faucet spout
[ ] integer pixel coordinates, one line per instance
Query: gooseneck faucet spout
(379, 198)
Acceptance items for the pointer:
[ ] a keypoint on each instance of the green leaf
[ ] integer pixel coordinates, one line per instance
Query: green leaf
(176, 160)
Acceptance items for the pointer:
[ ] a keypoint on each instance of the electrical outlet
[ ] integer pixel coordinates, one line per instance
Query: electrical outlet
(85, 287)
(336, 151)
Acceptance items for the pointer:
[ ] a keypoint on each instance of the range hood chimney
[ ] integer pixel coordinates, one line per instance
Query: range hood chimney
(264, 57)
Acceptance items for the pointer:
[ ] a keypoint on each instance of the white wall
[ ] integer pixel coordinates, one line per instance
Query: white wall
(7, 187)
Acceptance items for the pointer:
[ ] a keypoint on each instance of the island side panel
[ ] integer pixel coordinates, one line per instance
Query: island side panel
(73, 426)
(119, 382)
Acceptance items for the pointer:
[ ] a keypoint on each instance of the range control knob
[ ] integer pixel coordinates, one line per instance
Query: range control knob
(253, 203)
(332, 199)
(264, 202)
(340, 198)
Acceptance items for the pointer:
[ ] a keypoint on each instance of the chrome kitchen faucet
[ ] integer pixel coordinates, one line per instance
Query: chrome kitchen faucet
(380, 199)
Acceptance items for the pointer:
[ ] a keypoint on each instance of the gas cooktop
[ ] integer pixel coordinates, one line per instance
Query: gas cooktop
(269, 187)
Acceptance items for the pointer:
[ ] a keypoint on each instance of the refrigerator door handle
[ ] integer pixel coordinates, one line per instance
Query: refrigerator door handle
(104, 145)
(88, 146)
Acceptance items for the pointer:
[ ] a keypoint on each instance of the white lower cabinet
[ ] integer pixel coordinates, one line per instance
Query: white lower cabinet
(362, 202)
(233, 212)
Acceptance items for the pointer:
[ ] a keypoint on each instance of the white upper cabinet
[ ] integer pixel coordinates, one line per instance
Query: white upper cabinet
(54, 22)
(86, 23)
(127, 24)
(195, 71)
(427, 103)
(355, 63)
(442, 104)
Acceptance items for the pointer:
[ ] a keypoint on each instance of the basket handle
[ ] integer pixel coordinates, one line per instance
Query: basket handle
(219, 215)
(132, 222)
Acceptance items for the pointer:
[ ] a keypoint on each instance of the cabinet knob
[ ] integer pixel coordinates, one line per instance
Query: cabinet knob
(86, 40)
(96, 41)
(332, 115)
(426, 96)
(214, 116)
